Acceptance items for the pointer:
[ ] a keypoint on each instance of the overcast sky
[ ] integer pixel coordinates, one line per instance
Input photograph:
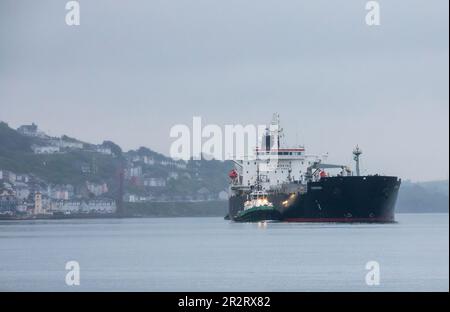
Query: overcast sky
(133, 69)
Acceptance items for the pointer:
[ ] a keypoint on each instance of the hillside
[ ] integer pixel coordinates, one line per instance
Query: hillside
(148, 175)
(423, 197)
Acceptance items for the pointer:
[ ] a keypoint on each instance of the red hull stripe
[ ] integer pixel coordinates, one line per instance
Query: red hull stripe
(337, 220)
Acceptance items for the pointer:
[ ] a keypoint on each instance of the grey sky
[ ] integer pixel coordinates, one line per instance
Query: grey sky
(132, 69)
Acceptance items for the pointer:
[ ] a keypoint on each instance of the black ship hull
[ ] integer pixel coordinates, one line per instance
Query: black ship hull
(334, 199)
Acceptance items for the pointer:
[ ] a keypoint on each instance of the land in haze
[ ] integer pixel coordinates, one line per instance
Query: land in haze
(68, 170)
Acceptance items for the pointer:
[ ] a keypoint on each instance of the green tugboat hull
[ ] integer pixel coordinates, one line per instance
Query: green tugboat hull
(258, 214)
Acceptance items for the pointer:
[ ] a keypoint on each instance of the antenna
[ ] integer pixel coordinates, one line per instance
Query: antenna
(258, 176)
(356, 153)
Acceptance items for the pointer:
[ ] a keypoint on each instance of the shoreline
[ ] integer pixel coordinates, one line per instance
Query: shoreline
(115, 216)
(215, 208)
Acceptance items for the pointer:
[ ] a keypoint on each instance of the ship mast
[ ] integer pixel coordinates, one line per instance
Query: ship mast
(258, 180)
(356, 153)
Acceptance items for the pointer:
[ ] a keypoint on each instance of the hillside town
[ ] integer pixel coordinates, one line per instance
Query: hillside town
(25, 195)
(88, 178)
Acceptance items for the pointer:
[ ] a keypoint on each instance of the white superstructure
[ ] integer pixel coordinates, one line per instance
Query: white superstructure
(278, 165)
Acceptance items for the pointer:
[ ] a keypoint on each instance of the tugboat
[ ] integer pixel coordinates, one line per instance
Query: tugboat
(257, 207)
(299, 187)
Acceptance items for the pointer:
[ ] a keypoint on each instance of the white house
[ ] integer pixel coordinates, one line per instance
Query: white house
(145, 159)
(31, 130)
(66, 144)
(28, 130)
(45, 149)
(97, 189)
(103, 150)
(131, 198)
(148, 160)
(154, 182)
(99, 206)
(134, 172)
(68, 207)
(23, 178)
(181, 165)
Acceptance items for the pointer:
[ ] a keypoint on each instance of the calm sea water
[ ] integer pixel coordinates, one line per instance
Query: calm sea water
(210, 254)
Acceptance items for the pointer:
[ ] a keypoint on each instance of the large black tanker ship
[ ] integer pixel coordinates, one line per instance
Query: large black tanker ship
(285, 184)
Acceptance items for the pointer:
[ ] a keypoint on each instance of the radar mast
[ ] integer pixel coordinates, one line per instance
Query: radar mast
(356, 153)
